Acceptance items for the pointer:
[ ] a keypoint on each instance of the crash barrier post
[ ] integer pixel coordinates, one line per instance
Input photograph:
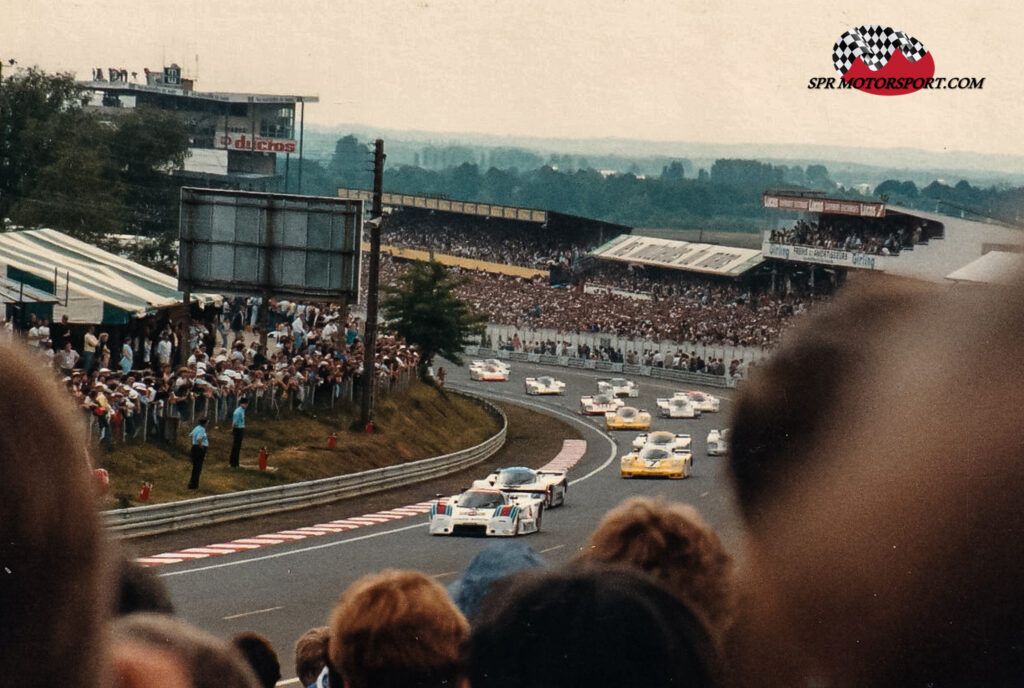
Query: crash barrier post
(161, 518)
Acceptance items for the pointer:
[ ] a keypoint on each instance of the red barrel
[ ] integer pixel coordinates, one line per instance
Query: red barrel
(332, 441)
(263, 459)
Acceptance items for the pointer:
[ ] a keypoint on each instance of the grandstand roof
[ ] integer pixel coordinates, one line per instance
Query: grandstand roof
(102, 287)
(488, 210)
(680, 255)
(995, 267)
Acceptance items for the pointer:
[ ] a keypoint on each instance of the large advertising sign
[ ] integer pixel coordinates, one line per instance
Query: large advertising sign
(284, 245)
(821, 256)
(812, 204)
(680, 255)
(246, 142)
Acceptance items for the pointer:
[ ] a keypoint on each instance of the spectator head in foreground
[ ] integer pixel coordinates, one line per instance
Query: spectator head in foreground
(259, 653)
(897, 561)
(54, 580)
(669, 541)
(490, 564)
(593, 626)
(311, 654)
(790, 400)
(396, 629)
(145, 641)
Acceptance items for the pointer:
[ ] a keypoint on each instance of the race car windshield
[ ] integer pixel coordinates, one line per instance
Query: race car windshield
(627, 413)
(480, 500)
(678, 403)
(546, 381)
(516, 476)
(661, 439)
(602, 399)
(655, 455)
(618, 382)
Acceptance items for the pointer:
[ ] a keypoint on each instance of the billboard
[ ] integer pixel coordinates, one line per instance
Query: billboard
(818, 204)
(284, 245)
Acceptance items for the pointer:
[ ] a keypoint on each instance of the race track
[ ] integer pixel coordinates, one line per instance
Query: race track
(283, 589)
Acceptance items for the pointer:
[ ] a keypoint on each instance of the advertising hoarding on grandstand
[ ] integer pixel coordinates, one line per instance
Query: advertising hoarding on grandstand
(285, 245)
(819, 204)
(822, 256)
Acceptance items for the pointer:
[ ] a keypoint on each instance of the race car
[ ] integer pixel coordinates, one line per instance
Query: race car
(486, 512)
(599, 404)
(702, 401)
(677, 407)
(627, 418)
(488, 373)
(499, 364)
(551, 486)
(669, 441)
(544, 384)
(656, 462)
(718, 442)
(618, 387)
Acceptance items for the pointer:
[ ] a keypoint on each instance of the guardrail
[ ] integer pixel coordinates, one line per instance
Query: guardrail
(606, 366)
(162, 518)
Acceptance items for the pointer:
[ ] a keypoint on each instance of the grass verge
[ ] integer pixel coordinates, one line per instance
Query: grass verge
(417, 424)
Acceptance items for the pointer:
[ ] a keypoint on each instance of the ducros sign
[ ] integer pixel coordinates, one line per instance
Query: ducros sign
(258, 144)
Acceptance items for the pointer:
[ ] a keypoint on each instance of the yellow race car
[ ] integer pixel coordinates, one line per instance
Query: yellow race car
(656, 462)
(627, 418)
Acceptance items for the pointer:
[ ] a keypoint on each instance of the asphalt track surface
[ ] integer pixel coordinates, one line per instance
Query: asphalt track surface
(284, 589)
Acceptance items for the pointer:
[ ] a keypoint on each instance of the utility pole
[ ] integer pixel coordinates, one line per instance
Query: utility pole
(370, 331)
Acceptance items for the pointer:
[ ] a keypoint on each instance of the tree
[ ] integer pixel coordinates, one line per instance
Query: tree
(424, 310)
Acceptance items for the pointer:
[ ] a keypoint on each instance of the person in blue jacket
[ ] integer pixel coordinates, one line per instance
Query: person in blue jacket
(200, 443)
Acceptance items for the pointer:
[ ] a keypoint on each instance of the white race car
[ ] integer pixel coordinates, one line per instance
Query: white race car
(487, 372)
(669, 441)
(656, 462)
(499, 364)
(600, 404)
(618, 387)
(677, 407)
(486, 512)
(718, 442)
(702, 401)
(550, 486)
(544, 384)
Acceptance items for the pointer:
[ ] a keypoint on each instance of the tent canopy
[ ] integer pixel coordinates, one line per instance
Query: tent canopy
(91, 285)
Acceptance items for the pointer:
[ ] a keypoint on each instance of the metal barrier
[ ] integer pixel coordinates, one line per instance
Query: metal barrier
(162, 518)
(608, 367)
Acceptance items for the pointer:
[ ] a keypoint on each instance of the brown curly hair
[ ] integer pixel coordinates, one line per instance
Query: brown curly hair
(670, 541)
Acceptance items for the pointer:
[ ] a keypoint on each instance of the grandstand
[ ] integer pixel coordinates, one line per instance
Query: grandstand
(873, 236)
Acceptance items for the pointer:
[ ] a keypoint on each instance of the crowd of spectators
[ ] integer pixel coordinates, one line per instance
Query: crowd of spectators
(503, 241)
(694, 310)
(855, 234)
(313, 353)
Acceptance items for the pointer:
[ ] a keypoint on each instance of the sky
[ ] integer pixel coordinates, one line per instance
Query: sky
(710, 72)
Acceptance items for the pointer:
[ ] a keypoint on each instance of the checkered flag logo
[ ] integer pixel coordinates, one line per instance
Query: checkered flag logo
(874, 45)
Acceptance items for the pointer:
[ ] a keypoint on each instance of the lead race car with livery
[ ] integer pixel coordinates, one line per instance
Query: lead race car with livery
(549, 486)
(489, 512)
(494, 362)
(545, 384)
(599, 404)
